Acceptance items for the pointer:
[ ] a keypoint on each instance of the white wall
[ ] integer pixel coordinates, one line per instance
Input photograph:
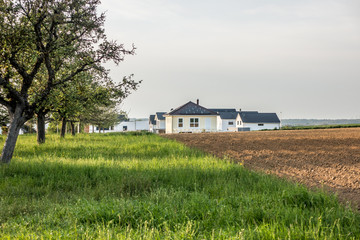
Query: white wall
(160, 124)
(132, 125)
(256, 127)
(225, 127)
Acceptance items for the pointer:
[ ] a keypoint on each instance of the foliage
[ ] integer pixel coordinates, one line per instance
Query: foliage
(44, 45)
(141, 186)
(4, 116)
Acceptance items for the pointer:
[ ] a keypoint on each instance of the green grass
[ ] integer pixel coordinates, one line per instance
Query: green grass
(118, 186)
(320, 127)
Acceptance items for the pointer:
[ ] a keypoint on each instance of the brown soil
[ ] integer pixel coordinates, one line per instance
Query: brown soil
(328, 158)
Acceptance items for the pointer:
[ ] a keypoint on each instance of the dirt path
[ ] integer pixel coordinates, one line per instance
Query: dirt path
(328, 157)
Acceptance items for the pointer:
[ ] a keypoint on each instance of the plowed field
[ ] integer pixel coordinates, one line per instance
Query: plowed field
(328, 158)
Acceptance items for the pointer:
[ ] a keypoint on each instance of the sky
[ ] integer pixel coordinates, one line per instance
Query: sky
(300, 59)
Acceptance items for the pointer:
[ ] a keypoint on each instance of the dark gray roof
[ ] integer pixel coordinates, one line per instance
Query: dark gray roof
(152, 120)
(160, 115)
(191, 108)
(219, 110)
(256, 117)
(122, 118)
(228, 115)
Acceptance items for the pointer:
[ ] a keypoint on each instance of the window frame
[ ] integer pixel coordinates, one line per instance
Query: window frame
(194, 122)
(182, 122)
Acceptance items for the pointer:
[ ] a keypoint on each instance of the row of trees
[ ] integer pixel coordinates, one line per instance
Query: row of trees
(51, 61)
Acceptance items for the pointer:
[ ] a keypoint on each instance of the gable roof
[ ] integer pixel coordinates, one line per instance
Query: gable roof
(160, 115)
(256, 117)
(191, 108)
(228, 115)
(152, 120)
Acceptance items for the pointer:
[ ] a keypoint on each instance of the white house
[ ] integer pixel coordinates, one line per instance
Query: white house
(253, 120)
(160, 122)
(191, 117)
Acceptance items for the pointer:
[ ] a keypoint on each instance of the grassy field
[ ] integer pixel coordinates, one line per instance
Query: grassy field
(116, 186)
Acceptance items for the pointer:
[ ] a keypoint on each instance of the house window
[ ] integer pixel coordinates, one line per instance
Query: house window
(180, 122)
(231, 123)
(194, 122)
(238, 122)
(260, 124)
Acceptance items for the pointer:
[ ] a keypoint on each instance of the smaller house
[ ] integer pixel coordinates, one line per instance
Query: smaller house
(152, 123)
(160, 122)
(253, 120)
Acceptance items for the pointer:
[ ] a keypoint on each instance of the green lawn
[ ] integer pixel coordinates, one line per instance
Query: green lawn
(116, 186)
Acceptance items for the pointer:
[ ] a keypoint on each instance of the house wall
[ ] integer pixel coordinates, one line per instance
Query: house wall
(138, 125)
(225, 127)
(168, 121)
(160, 124)
(172, 124)
(256, 127)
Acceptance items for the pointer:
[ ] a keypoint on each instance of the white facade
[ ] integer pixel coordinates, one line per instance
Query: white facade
(256, 126)
(132, 124)
(228, 125)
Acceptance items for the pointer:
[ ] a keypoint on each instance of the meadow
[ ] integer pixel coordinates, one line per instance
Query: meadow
(142, 186)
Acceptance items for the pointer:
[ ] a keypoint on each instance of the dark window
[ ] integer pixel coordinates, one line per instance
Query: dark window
(231, 123)
(194, 122)
(260, 124)
(180, 122)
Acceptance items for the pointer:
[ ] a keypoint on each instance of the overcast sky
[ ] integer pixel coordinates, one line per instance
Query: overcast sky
(300, 58)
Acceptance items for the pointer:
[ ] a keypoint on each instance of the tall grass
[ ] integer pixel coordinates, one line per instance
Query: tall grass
(118, 186)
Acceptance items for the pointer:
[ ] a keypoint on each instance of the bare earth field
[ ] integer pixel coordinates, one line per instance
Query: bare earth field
(328, 158)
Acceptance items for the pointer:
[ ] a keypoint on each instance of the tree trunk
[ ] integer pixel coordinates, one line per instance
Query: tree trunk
(72, 128)
(63, 128)
(16, 123)
(99, 129)
(41, 127)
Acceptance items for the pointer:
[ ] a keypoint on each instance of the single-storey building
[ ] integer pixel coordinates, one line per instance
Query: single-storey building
(191, 117)
(253, 120)
(160, 122)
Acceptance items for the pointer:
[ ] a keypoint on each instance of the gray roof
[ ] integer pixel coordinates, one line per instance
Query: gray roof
(219, 110)
(160, 115)
(152, 120)
(228, 115)
(122, 118)
(256, 117)
(191, 108)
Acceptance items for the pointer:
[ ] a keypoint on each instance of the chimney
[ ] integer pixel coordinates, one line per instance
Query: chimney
(240, 110)
(197, 101)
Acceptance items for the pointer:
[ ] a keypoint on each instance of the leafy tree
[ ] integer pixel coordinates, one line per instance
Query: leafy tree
(43, 45)
(4, 116)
